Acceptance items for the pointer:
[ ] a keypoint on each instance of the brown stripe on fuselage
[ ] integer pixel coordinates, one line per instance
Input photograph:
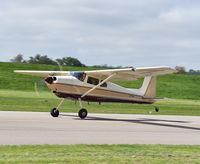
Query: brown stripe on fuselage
(99, 94)
(98, 99)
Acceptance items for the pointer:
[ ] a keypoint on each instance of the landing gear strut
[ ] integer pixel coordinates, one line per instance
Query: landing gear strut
(82, 112)
(55, 111)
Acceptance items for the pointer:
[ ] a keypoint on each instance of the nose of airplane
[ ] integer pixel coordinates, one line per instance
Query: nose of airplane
(49, 80)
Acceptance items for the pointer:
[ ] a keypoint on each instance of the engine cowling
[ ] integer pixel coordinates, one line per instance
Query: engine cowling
(50, 79)
(62, 80)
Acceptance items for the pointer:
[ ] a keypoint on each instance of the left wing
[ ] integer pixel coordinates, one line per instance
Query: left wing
(43, 73)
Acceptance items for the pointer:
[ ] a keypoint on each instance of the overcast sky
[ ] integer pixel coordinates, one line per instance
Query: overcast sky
(114, 32)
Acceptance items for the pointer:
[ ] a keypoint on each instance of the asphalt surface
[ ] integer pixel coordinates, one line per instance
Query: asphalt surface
(41, 128)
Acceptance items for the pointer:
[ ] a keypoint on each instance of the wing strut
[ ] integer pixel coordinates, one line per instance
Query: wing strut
(89, 91)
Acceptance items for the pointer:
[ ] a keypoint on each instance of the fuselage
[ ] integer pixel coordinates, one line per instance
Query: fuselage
(74, 86)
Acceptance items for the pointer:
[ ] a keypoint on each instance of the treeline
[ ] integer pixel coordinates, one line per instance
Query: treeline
(44, 59)
(194, 72)
(182, 70)
(65, 61)
(70, 61)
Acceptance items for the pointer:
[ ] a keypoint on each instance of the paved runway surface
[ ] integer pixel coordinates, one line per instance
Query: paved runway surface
(41, 128)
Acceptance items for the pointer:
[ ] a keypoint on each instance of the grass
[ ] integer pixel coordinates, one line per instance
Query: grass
(171, 86)
(17, 94)
(11, 80)
(29, 101)
(175, 86)
(106, 154)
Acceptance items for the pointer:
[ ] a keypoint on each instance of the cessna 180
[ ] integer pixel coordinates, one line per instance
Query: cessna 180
(97, 85)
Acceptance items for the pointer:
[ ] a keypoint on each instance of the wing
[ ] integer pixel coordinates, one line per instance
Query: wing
(112, 74)
(130, 73)
(43, 73)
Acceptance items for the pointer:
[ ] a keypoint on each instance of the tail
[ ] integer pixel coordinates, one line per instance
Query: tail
(148, 89)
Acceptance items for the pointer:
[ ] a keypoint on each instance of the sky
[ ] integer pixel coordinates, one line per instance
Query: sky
(114, 32)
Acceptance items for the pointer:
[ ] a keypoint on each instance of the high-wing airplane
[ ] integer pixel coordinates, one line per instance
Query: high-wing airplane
(97, 85)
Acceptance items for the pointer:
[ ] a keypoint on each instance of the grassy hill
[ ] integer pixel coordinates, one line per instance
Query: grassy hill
(12, 81)
(171, 86)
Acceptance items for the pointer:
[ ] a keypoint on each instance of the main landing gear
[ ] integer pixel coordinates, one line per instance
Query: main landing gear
(55, 111)
(82, 112)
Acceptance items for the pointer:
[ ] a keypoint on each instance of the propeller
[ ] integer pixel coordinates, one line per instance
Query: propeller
(40, 86)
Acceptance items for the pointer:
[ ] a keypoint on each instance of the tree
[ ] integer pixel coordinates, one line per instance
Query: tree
(194, 72)
(60, 61)
(18, 59)
(69, 61)
(180, 69)
(39, 59)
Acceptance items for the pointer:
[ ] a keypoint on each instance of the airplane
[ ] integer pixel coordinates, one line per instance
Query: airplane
(98, 85)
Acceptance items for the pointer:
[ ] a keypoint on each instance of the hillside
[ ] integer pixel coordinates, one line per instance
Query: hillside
(10, 80)
(171, 86)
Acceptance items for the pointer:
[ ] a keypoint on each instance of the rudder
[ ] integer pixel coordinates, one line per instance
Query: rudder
(148, 89)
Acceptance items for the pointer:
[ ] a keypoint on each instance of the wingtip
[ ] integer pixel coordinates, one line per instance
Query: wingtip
(18, 71)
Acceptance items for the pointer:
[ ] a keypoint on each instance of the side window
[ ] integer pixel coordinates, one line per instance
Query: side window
(93, 81)
(104, 84)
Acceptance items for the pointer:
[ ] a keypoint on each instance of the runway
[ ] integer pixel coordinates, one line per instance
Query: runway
(40, 128)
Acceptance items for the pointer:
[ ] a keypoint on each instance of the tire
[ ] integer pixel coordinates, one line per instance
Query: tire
(82, 113)
(54, 112)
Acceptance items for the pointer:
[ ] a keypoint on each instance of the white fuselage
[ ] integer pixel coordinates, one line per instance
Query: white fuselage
(71, 80)
(71, 87)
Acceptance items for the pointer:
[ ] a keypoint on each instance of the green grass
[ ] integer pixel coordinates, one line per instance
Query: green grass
(104, 154)
(176, 86)
(29, 101)
(17, 93)
(11, 80)
(171, 86)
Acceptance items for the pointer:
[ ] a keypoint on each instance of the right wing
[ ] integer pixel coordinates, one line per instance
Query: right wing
(131, 73)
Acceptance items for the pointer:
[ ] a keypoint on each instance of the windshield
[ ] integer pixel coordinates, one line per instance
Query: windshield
(79, 75)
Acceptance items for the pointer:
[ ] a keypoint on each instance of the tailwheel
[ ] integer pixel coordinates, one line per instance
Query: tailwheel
(54, 112)
(157, 109)
(82, 113)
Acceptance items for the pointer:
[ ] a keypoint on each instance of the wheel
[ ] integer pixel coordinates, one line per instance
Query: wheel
(82, 113)
(156, 109)
(54, 112)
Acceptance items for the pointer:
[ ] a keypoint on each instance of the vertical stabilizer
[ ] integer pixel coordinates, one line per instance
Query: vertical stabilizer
(148, 88)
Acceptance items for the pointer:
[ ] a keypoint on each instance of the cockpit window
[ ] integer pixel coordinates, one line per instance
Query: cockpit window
(93, 81)
(104, 84)
(79, 75)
